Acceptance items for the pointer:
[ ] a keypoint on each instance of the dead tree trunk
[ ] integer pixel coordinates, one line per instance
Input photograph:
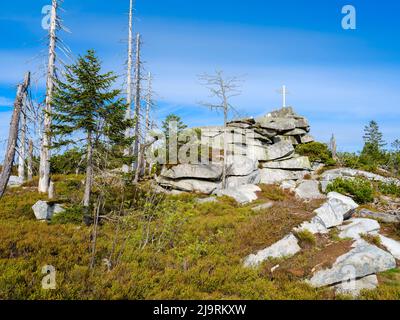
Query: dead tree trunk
(89, 172)
(13, 135)
(140, 164)
(22, 142)
(137, 102)
(44, 169)
(147, 119)
(30, 161)
(128, 134)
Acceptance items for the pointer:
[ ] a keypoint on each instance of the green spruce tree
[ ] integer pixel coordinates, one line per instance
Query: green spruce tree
(373, 154)
(88, 112)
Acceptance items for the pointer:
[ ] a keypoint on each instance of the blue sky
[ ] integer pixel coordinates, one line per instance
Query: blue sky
(339, 79)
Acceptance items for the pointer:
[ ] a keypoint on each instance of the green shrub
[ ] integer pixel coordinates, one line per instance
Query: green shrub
(317, 152)
(360, 189)
(389, 189)
(72, 215)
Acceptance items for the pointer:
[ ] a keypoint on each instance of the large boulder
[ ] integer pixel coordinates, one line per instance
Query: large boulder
(298, 163)
(279, 150)
(277, 124)
(237, 181)
(276, 176)
(335, 210)
(15, 181)
(284, 248)
(363, 260)
(193, 171)
(358, 227)
(190, 185)
(242, 194)
(309, 190)
(241, 165)
(391, 245)
(45, 211)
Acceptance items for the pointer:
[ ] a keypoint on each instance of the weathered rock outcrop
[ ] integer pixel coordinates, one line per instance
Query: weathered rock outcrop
(260, 151)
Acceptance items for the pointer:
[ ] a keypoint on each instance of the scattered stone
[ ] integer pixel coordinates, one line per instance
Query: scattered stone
(335, 210)
(391, 245)
(264, 206)
(354, 287)
(358, 227)
(347, 173)
(242, 194)
(288, 185)
(207, 200)
(15, 182)
(364, 260)
(309, 190)
(284, 248)
(384, 217)
(45, 211)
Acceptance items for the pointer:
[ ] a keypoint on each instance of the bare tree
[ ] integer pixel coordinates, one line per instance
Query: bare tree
(30, 160)
(333, 147)
(22, 140)
(13, 134)
(127, 151)
(223, 89)
(137, 100)
(44, 169)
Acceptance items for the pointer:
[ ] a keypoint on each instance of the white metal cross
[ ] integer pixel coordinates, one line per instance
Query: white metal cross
(284, 93)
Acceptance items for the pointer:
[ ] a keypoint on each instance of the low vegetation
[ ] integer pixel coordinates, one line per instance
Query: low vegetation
(359, 189)
(317, 152)
(171, 248)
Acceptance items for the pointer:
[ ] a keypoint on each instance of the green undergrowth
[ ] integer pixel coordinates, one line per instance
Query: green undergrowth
(178, 249)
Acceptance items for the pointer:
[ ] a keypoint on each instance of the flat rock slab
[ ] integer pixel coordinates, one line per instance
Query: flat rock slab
(237, 181)
(286, 247)
(242, 194)
(298, 163)
(277, 176)
(354, 287)
(309, 190)
(364, 260)
(193, 171)
(190, 185)
(391, 245)
(288, 185)
(358, 227)
(384, 217)
(279, 150)
(333, 174)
